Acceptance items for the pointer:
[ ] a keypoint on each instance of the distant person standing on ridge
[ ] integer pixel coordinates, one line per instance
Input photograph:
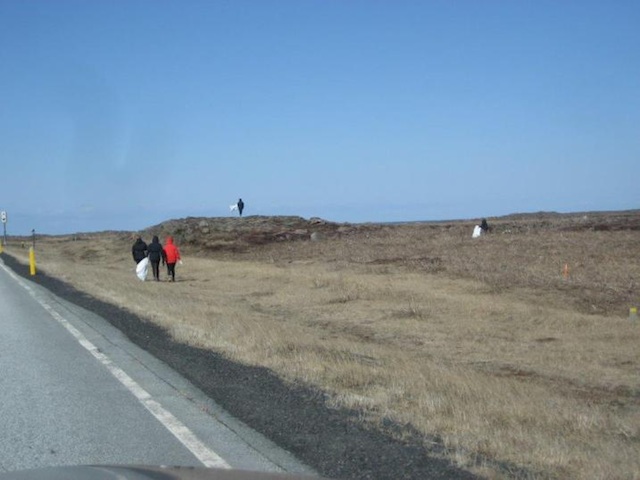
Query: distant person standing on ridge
(156, 253)
(139, 250)
(240, 206)
(172, 256)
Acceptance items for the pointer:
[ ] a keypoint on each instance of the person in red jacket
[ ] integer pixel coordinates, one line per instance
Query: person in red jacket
(172, 255)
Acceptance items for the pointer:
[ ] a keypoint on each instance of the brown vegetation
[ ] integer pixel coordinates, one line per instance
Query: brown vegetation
(487, 344)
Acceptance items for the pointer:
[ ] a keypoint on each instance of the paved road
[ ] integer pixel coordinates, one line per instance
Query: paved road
(75, 391)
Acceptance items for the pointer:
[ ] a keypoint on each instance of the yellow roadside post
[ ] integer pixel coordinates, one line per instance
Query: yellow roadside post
(32, 261)
(3, 219)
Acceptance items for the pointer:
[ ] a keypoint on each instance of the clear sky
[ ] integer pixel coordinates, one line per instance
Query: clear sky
(122, 114)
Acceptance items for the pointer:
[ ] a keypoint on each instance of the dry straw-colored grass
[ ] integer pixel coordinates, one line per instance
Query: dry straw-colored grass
(483, 344)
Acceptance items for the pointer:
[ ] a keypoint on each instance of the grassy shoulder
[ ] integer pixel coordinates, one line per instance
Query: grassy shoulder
(482, 343)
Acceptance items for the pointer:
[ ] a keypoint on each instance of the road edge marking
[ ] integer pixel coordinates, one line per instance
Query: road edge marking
(204, 454)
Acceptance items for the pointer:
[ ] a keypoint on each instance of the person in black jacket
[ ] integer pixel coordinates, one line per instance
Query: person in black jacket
(240, 206)
(139, 250)
(156, 253)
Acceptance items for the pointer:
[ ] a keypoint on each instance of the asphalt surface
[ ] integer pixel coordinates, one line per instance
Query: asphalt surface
(75, 391)
(333, 442)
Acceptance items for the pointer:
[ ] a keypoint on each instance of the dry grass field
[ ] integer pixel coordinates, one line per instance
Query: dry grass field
(485, 344)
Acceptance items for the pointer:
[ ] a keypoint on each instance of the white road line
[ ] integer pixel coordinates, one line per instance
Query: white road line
(203, 453)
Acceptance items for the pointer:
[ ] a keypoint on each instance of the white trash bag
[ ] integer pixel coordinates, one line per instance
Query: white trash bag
(142, 269)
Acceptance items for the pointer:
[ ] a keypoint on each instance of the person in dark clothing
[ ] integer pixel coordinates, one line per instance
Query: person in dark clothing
(139, 250)
(240, 206)
(484, 226)
(156, 253)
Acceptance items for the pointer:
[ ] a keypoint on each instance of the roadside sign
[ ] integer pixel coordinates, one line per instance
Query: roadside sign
(3, 216)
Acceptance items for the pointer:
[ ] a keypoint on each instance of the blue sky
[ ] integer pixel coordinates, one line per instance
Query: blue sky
(122, 114)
